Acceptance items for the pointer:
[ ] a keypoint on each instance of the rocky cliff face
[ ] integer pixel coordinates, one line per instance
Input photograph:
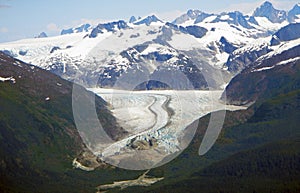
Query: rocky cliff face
(242, 58)
(294, 14)
(267, 10)
(287, 33)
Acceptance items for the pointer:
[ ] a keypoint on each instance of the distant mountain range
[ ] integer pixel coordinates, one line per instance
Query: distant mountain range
(195, 45)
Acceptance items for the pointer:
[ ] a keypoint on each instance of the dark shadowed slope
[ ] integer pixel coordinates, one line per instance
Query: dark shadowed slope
(38, 137)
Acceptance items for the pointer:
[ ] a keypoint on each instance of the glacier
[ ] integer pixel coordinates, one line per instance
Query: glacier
(159, 116)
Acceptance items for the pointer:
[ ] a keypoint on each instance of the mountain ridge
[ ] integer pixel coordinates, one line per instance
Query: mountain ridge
(92, 52)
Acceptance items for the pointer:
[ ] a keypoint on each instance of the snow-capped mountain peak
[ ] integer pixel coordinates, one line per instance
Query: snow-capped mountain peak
(79, 29)
(109, 27)
(193, 13)
(132, 19)
(294, 14)
(148, 20)
(236, 18)
(42, 35)
(267, 10)
(195, 16)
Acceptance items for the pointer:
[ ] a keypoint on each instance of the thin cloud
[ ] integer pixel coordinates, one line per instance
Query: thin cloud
(3, 30)
(2, 6)
(245, 7)
(285, 5)
(52, 27)
(93, 22)
(249, 7)
(169, 16)
(89, 21)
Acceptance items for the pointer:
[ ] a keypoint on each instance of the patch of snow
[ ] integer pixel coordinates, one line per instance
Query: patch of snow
(12, 79)
(256, 45)
(283, 47)
(225, 17)
(265, 23)
(77, 164)
(263, 69)
(288, 61)
(278, 64)
(188, 23)
(209, 19)
(222, 59)
(158, 48)
(184, 42)
(297, 19)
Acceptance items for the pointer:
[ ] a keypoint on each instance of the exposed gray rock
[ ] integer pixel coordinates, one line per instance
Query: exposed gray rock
(287, 33)
(267, 10)
(294, 13)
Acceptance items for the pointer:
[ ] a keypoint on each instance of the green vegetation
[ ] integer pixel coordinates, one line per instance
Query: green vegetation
(38, 137)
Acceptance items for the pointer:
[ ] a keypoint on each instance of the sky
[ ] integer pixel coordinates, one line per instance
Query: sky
(21, 19)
